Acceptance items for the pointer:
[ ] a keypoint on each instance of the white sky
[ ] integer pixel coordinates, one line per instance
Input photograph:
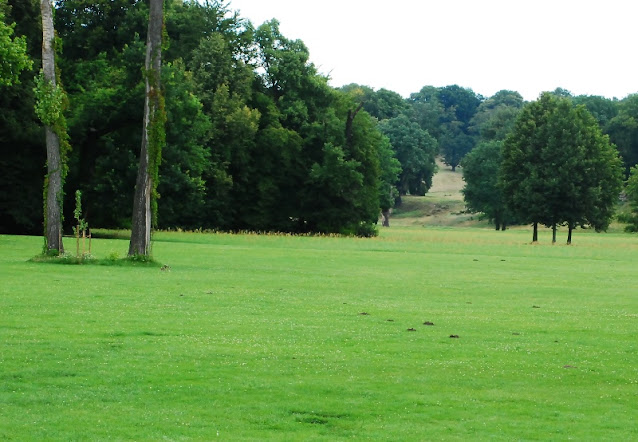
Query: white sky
(530, 46)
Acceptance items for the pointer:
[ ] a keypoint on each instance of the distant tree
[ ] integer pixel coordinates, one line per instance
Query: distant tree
(445, 113)
(427, 110)
(416, 151)
(495, 117)
(560, 92)
(390, 169)
(602, 109)
(623, 131)
(13, 51)
(558, 168)
(481, 191)
(153, 138)
(523, 171)
(382, 104)
(632, 197)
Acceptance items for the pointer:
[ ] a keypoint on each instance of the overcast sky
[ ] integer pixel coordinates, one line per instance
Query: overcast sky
(588, 47)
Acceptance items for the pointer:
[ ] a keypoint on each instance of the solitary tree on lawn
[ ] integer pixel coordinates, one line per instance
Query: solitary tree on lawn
(153, 137)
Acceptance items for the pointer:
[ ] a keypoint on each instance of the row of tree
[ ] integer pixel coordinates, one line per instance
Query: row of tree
(553, 165)
(255, 137)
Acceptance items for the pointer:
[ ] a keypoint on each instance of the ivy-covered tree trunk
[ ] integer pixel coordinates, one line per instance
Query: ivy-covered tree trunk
(144, 201)
(53, 195)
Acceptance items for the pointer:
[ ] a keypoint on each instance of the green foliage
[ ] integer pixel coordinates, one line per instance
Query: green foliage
(558, 167)
(51, 102)
(482, 192)
(623, 131)
(186, 157)
(416, 151)
(631, 190)
(382, 104)
(495, 117)
(13, 52)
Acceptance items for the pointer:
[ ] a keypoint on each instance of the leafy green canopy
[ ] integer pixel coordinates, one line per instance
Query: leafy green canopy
(558, 167)
(255, 137)
(13, 51)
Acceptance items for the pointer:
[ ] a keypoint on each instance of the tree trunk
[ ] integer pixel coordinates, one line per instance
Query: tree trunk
(53, 180)
(142, 207)
(349, 123)
(569, 234)
(535, 234)
(554, 233)
(386, 218)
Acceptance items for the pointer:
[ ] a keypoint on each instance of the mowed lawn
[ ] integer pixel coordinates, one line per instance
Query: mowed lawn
(251, 337)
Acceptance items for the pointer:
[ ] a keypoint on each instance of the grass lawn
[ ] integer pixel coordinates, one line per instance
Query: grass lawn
(294, 338)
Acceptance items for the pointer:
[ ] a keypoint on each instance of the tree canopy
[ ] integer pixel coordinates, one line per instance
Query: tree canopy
(256, 138)
(558, 167)
(13, 51)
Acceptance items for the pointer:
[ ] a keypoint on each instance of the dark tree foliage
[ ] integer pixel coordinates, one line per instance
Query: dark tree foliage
(482, 192)
(446, 113)
(382, 104)
(558, 168)
(623, 131)
(416, 151)
(21, 135)
(256, 139)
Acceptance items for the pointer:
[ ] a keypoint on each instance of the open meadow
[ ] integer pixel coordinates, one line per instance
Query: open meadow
(250, 337)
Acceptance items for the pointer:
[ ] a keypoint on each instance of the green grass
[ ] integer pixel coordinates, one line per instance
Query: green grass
(251, 337)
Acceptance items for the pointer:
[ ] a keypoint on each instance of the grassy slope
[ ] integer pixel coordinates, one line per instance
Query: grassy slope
(254, 338)
(442, 206)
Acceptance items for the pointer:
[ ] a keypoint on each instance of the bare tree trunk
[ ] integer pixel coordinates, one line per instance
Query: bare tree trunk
(569, 234)
(142, 210)
(535, 234)
(385, 214)
(53, 181)
(554, 233)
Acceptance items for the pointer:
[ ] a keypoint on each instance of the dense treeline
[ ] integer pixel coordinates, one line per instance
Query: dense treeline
(255, 137)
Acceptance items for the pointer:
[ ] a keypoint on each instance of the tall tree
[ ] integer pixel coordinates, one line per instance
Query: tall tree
(49, 109)
(558, 168)
(153, 138)
(521, 177)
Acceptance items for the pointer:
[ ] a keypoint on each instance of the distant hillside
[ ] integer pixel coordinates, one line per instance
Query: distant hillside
(441, 206)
